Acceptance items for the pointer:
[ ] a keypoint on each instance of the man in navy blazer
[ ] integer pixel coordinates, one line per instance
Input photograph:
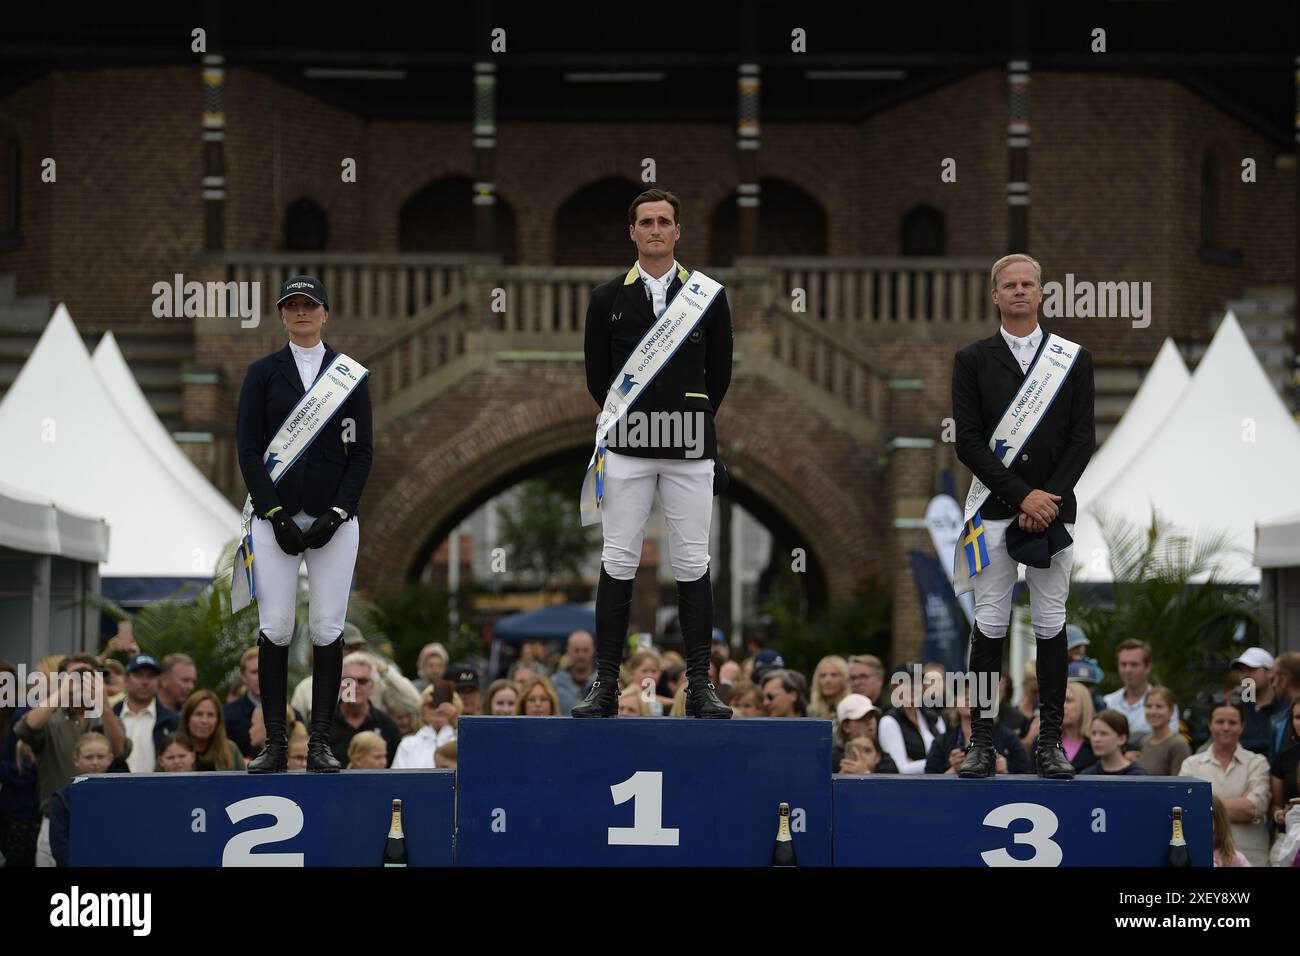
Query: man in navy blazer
(1031, 501)
(145, 720)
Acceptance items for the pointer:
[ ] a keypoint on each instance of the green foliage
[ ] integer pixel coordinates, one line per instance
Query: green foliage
(541, 531)
(1167, 593)
(413, 615)
(197, 622)
(860, 627)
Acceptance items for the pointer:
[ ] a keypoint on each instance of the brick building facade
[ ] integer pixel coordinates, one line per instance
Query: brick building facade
(1134, 178)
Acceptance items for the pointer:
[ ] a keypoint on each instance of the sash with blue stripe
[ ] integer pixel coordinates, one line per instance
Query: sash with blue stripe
(651, 354)
(314, 410)
(1042, 383)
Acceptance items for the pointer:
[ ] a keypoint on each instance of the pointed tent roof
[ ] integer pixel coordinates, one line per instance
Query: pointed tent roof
(135, 408)
(1225, 458)
(64, 435)
(1156, 397)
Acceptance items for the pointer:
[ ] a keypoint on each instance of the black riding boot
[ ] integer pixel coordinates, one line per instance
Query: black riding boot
(613, 610)
(1053, 663)
(695, 617)
(326, 675)
(273, 677)
(986, 667)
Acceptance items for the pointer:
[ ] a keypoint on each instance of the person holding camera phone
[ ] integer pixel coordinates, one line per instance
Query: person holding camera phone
(75, 706)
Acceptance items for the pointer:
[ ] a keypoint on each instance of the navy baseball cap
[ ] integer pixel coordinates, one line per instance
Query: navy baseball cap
(764, 661)
(309, 286)
(462, 675)
(143, 660)
(1082, 672)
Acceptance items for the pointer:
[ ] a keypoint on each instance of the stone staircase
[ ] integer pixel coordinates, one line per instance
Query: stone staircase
(543, 322)
(155, 353)
(1116, 383)
(431, 321)
(22, 319)
(1267, 316)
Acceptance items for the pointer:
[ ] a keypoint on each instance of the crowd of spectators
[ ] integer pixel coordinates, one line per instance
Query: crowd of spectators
(156, 720)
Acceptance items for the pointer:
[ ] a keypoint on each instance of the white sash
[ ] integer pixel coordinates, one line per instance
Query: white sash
(656, 347)
(1042, 383)
(313, 412)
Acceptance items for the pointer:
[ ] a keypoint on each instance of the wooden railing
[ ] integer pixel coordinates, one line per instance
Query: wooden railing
(366, 287)
(840, 368)
(433, 339)
(881, 292)
(808, 316)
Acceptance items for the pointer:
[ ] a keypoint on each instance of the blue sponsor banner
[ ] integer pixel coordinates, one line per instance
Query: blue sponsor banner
(940, 820)
(241, 819)
(644, 791)
(946, 634)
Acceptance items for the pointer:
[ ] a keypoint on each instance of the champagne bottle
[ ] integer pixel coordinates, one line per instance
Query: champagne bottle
(1178, 855)
(783, 853)
(395, 846)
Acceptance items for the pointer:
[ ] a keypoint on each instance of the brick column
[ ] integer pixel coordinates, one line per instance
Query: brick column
(1018, 132)
(910, 478)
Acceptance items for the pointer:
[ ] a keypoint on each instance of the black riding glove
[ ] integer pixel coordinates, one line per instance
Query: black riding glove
(287, 534)
(322, 529)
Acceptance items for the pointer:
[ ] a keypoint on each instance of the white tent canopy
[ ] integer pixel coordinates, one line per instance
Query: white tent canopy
(1277, 542)
(64, 434)
(135, 408)
(1156, 397)
(35, 524)
(1225, 458)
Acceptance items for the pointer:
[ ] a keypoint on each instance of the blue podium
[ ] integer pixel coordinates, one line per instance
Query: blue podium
(938, 820)
(648, 791)
(240, 819)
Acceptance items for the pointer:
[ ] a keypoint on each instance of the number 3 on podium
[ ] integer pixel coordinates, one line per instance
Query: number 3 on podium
(1047, 852)
(645, 789)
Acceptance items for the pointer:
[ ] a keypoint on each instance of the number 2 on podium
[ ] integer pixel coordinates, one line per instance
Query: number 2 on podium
(645, 789)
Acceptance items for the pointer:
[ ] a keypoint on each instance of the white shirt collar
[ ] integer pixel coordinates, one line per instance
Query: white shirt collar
(1033, 338)
(300, 352)
(151, 710)
(664, 279)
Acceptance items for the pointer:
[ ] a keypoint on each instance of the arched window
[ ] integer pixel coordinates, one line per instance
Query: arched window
(923, 232)
(1215, 170)
(11, 159)
(791, 223)
(306, 225)
(591, 225)
(440, 218)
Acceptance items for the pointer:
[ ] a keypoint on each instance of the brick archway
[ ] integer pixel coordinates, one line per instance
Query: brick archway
(427, 493)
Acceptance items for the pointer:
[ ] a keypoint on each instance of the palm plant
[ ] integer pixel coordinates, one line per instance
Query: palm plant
(197, 621)
(1168, 592)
